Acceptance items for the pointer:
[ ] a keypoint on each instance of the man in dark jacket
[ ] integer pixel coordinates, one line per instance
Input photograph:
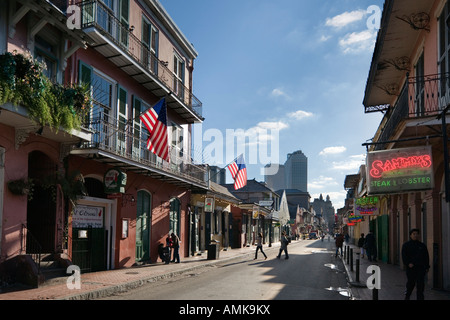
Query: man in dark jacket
(416, 260)
(339, 242)
(370, 245)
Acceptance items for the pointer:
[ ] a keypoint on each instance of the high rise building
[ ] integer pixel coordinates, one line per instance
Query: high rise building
(296, 171)
(292, 175)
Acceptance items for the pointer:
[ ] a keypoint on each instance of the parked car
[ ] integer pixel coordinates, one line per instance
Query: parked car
(312, 235)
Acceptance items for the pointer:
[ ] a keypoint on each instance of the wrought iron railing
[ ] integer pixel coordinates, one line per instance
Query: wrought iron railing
(96, 14)
(31, 246)
(428, 95)
(425, 96)
(60, 4)
(129, 140)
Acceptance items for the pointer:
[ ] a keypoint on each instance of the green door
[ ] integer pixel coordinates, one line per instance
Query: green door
(88, 251)
(143, 220)
(383, 237)
(89, 238)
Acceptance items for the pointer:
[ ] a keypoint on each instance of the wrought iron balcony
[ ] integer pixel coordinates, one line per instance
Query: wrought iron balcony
(428, 95)
(60, 4)
(420, 97)
(123, 144)
(115, 40)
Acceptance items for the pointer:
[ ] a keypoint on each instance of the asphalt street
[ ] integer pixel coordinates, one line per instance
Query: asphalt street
(311, 273)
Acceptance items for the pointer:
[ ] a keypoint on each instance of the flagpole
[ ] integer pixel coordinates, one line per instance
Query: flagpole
(140, 114)
(210, 177)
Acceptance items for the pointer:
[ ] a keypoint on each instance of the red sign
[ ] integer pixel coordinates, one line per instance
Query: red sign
(400, 170)
(379, 167)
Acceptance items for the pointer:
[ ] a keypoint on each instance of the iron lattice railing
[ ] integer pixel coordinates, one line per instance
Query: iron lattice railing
(428, 95)
(31, 246)
(129, 140)
(96, 14)
(420, 97)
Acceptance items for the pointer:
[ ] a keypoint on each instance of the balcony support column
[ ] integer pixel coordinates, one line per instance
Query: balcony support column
(445, 145)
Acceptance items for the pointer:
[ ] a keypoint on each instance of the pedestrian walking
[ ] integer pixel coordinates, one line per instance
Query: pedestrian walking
(371, 247)
(176, 248)
(339, 242)
(284, 244)
(361, 245)
(416, 260)
(259, 246)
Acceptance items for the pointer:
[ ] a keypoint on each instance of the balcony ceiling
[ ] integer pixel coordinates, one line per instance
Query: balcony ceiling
(396, 40)
(18, 118)
(45, 9)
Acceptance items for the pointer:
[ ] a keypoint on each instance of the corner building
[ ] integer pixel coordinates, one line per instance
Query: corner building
(130, 54)
(409, 82)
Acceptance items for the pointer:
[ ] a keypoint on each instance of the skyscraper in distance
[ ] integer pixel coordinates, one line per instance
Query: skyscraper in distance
(296, 171)
(292, 175)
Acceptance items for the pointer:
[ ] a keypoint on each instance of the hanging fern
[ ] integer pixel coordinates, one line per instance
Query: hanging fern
(22, 82)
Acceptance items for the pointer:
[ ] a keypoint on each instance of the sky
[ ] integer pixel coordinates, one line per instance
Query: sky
(279, 76)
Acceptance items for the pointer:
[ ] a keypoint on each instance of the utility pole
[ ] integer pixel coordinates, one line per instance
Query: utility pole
(444, 141)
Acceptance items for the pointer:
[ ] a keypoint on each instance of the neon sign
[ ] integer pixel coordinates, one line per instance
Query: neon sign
(367, 206)
(399, 170)
(379, 167)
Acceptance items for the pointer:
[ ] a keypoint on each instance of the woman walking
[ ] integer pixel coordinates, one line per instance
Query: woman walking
(259, 246)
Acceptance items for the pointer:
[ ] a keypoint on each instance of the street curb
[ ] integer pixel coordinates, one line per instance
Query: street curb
(351, 283)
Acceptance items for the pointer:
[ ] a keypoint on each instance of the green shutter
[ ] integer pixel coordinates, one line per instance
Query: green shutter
(137, 122)
(85, 73)
(122, 113)
(124, 8)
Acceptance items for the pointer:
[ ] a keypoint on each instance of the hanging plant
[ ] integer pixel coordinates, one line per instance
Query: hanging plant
(22, 81)
(72, 186)
(21, 187)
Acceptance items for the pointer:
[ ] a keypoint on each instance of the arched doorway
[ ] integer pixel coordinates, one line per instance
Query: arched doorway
(42, 207)
(143, 226)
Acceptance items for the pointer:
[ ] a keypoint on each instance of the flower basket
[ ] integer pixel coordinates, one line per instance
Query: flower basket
(20, 187)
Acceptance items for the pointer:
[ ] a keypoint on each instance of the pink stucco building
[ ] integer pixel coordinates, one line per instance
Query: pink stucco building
(131, 55)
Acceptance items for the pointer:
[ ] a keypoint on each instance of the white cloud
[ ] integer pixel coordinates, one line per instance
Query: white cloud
(345, 18)
(263, 132)
(358, 41)
(322, 182)
(277, 92)
(300, 114)
(332, 150)
(280, 125)
(353, 163)
(324, 38)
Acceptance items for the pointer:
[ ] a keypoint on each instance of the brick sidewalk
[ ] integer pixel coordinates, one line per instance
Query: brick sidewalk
(100, 284)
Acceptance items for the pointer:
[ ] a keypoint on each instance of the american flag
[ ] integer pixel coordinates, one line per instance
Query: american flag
(155, 119)
(238, 172)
